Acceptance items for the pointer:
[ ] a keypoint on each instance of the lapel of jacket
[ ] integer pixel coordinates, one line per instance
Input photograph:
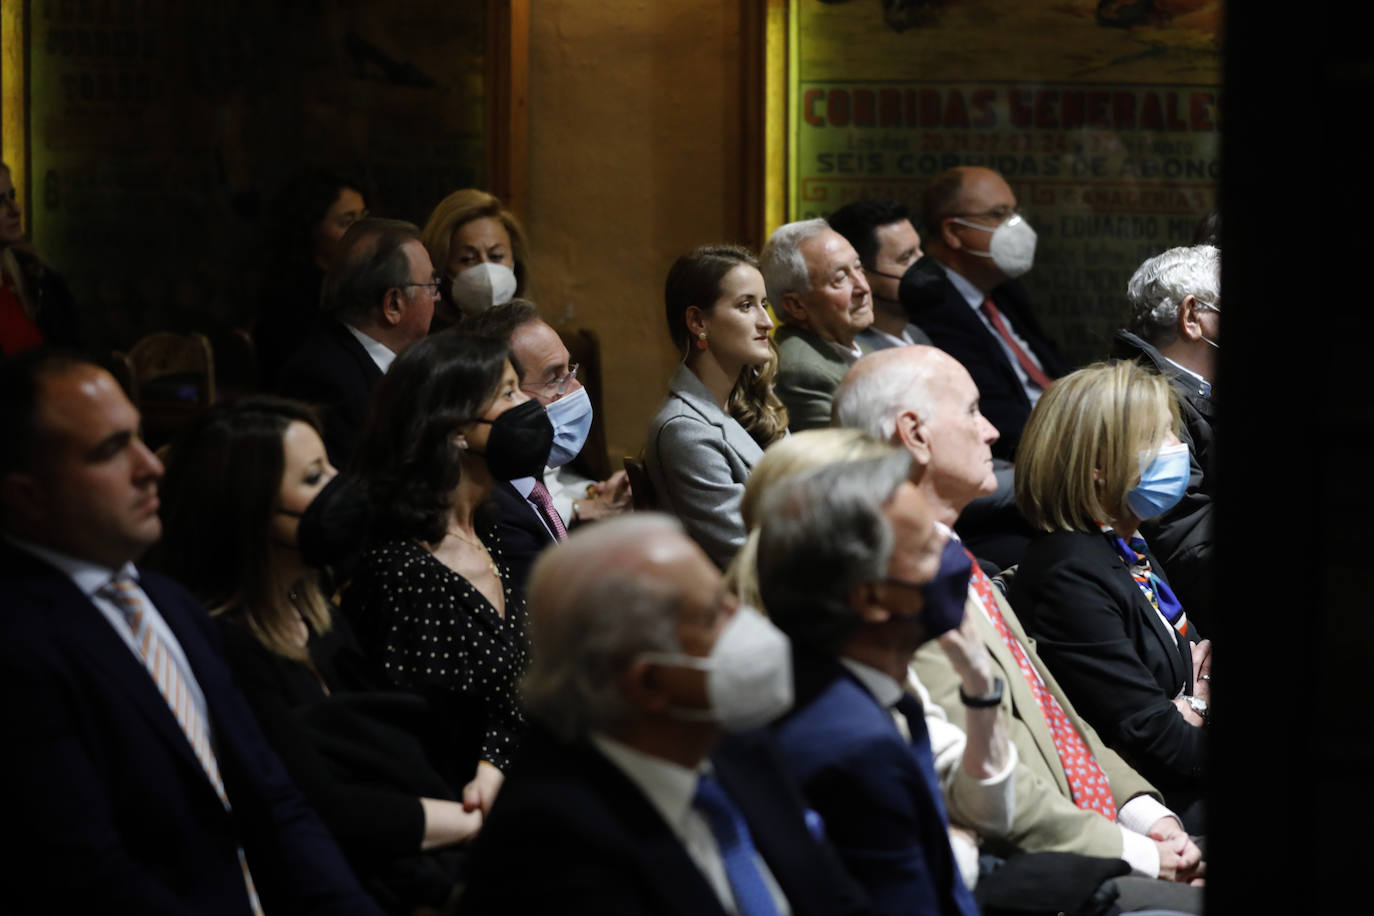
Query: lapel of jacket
(90, 635)
(1172, 650)
(685, 386)
(662, 857)
(360, 357)
(1019, 693)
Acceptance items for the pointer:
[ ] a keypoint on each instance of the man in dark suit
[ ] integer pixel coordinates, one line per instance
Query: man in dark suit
(138, 779)
(850, 566)
(379, 295)
(1175, 321)
(966, 297)
(628, 797)
(538, 511)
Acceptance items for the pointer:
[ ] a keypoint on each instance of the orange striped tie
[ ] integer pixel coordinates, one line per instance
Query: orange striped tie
(163, 669)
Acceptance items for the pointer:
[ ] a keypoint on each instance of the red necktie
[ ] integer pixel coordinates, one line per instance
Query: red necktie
(544, 503)
(1035, 373)
(1087, 782)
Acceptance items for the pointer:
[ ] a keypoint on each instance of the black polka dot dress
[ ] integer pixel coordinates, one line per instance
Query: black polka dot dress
(431, 632)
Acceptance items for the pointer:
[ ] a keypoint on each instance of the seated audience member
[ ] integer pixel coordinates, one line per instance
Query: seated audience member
(35, 306)
(721, 412)
(538, 511)
(379, 294)
(969, 770)
(817, 287)
(309, 216)
(921, 399)
(1099, 456)
(432, 599)
(965, 294)
(479, 248)
(851, 566)
(256, 468)
(140, 780)
(1175, 321)
(631, 794)
(888, 245)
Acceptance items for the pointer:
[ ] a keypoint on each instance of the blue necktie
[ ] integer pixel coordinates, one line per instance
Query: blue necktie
(736, 849)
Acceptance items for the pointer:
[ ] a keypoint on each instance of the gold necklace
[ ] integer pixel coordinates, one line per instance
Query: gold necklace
(462, 537)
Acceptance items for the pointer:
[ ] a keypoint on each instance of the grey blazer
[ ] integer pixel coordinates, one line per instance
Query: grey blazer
(698, 459)
(809, 371)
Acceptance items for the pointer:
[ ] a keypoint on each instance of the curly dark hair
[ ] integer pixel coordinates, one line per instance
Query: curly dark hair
(407, 456)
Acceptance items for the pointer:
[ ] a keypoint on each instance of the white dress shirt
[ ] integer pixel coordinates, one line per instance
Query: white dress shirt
(670, 789)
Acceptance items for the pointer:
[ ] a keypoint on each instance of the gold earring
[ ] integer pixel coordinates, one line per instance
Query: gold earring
(701, 340)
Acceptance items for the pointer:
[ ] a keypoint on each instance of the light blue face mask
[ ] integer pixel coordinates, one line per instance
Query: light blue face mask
(571, 416)
(1162, 483)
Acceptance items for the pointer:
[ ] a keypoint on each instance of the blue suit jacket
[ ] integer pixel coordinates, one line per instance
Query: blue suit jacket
(877, 793)
(111, 808)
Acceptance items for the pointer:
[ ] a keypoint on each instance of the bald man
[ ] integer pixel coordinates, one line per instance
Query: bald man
(965, 295)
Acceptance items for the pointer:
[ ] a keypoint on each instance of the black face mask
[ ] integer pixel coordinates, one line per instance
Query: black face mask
(333, 528)
(519, 442)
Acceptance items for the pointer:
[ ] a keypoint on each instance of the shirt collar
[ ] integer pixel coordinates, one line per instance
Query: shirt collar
(884, 689)
(848, 354)
(972, 294)
(1206, 386)
(381, 354)
(87, 576)
(669, 787)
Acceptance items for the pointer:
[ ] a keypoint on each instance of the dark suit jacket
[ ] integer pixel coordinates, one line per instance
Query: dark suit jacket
(1182, 537)
(523, 534)
(333, 372)
(114, 811)
(571, 834)
(936, 306)
(877, 793)
(1113, 655)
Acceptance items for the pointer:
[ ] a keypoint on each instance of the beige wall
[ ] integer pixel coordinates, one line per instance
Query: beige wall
(634, 158)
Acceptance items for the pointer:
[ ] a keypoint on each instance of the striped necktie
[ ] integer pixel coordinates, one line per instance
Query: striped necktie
(166, 674)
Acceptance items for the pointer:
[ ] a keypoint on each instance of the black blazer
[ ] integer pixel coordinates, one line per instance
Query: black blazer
(1112, 654)
(570, 834)
(523, 534)
(333, 372)
(113, 810)
(936, 306)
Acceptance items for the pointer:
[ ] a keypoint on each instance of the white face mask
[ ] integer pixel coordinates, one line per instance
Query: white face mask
(571, 416)
(481, 286)
(1012, 246)
(748, 673)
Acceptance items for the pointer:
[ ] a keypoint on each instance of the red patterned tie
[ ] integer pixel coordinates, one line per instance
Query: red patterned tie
(1036, 374)
(1087, 782)
(163, 669)
(544, 502)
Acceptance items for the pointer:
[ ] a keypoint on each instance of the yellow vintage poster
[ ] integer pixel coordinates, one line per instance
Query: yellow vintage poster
(1103, 115)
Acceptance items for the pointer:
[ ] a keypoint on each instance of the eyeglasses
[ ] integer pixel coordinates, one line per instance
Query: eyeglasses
(557, 386)
(432, 284)
(1000, 213)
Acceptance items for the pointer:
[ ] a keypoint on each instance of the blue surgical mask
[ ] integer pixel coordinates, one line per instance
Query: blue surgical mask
(1162, 482)
(571, 416)
(946, 594)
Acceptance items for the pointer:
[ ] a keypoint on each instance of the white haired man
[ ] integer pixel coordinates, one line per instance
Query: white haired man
(817, 286)
(1175, 321)
(639, 801)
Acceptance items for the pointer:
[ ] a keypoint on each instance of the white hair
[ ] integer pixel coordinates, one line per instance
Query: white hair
(781, 263)
(880, 386)
(593, 609)
(1159, 286)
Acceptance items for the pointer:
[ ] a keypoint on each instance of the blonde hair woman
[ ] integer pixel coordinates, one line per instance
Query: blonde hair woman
(1100, 454)
(479, 247)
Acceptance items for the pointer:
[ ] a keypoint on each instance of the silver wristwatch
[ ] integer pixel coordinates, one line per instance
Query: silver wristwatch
(1199, 706)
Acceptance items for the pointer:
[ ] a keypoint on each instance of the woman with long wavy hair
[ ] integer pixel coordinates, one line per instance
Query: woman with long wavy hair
(721, 411)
